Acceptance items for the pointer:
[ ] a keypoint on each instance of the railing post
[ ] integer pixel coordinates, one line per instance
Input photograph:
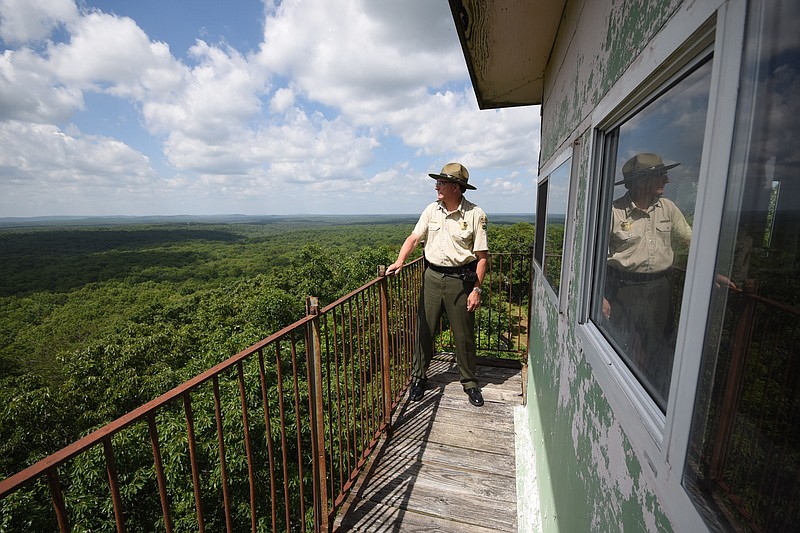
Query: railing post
(385, 348)
(733, 385)
(318, 414)
(161, 477)
(58, 500)
(113, 484)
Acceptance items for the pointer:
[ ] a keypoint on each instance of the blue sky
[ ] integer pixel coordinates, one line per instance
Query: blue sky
(209, 107)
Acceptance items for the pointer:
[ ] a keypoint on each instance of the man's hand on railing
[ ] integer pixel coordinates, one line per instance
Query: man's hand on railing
(606, 309)
(409, 245)
(394, 268)
(723, 281)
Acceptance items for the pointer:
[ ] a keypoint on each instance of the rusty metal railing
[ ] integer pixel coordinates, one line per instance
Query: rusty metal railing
(271, 439)
(752, 455)
(365, 340)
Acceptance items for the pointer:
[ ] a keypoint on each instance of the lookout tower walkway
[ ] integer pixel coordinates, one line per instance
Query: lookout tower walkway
(445, 465)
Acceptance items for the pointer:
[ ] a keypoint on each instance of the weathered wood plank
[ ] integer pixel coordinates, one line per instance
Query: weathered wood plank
(460, 437)
(455, 407)
(369, 516)
(491, 393)
(437, 453)
(401, 477)
(481, 499)
(457, 422)
(447, 465)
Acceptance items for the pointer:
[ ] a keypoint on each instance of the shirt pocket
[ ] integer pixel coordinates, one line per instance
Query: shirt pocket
(464, 237)
(622, 240)
(664, 233)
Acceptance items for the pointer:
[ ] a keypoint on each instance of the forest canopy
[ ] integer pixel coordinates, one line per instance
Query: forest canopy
(96, 320)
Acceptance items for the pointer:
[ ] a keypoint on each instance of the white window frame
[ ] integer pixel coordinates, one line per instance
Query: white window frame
(662, 439)
(561, 299)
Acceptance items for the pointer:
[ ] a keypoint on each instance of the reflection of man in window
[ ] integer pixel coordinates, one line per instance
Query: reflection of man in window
(644, 227)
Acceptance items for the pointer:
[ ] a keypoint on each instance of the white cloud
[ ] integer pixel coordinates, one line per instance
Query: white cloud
(384, 68)
(39, 163)
(216, 97)
(113, 54)
(507, 186)
(366, 58)
(104, 54)
(45, 150)
(347, 102)
(449, 123)
(282, 100)
(22, 21)
(29, 92)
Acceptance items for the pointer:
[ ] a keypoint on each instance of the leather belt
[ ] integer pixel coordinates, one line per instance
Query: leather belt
(622, 275)
(454, 270)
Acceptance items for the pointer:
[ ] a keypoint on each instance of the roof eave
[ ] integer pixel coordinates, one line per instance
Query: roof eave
(507, 45)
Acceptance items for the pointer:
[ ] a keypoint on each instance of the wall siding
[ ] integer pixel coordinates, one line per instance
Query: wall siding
(589, 58)
(589, 476)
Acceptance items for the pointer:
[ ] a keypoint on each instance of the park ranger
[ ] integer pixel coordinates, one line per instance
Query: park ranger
(456, 251)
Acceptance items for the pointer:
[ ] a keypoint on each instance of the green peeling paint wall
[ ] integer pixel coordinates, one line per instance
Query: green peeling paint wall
(589, 57)
(589, 476)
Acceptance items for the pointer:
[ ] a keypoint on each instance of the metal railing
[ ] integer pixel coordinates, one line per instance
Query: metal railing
(271, 439)
(753, 452)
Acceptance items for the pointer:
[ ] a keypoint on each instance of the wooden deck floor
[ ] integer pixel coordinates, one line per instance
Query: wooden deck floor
(448, 466)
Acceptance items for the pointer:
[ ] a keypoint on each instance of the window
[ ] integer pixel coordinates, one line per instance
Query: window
(650, 167)
(743, 459)
(553, 199)
(541, 223)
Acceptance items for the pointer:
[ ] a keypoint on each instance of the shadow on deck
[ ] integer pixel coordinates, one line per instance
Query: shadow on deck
(447, 466)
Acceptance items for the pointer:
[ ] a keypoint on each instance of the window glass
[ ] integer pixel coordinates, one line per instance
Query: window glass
(541, 222)
(651, 167)
(557, 195)
(743, 464)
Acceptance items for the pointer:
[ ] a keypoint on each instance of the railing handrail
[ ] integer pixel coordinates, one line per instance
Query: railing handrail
(351, 294)
(97, 436)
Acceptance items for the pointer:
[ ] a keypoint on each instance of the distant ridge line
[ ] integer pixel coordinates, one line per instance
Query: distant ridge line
(117, 220)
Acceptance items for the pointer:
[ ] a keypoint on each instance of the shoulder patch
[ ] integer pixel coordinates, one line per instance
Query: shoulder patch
(483, 221)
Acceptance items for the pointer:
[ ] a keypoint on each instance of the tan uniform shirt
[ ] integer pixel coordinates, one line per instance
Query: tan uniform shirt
(641, 240)
(451, 239)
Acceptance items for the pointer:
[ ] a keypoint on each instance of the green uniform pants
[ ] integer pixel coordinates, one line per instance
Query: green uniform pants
(642, 317)
(446, 293)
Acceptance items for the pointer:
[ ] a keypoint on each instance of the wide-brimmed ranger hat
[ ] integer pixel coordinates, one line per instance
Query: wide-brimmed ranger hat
(455, 173)
(643, 165)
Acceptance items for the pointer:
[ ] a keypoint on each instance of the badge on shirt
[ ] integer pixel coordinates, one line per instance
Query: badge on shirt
(483, 222)
(625, 226)
(464, 225)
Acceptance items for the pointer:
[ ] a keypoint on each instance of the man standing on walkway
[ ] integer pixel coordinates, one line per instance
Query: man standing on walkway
(456, 250)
